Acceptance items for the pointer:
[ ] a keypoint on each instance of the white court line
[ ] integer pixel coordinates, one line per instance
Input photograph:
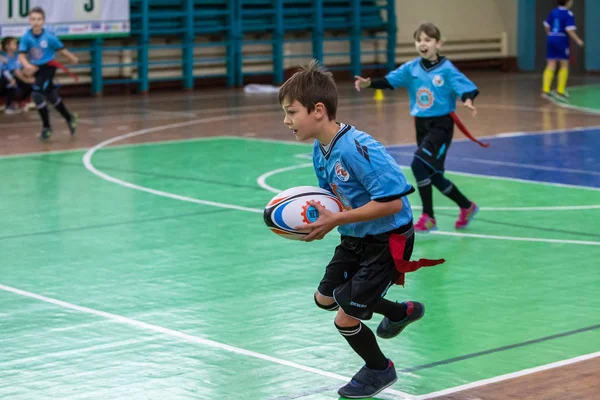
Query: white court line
(116, 147)
(505, 377)
(262, 182)
(515, 238)
(184, 336)
(87, 162)
(263, 178)
(504, 178)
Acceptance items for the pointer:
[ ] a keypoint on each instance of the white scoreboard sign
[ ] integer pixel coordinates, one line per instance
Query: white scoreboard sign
(68, 18)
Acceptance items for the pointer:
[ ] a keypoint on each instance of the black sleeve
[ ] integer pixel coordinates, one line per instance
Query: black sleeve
(381, 84)
(394, 197)
(469, 95)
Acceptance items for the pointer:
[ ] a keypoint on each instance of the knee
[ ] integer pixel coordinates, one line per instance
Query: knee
(325, 303)
(342, 320)
(53, 97)
(441, 183)
(420, 172)
(38, 98)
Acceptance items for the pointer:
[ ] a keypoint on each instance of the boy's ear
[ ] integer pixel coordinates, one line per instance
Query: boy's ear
(320, 109)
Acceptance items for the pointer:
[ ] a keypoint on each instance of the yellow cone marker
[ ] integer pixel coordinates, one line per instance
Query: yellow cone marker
(378, 96)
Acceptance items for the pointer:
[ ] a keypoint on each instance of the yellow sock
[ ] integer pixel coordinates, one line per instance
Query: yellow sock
(548, 77)
(561, 85)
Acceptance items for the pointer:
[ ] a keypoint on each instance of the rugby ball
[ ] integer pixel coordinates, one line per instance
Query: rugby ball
(291, 208)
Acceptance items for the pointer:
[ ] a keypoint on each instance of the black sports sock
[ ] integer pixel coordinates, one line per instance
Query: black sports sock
(459, 198)
(363, 342)
(427, 199)
(45, 117)
(62, 109)
(390, 309)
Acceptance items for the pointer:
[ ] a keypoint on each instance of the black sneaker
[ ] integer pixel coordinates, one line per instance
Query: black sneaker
(368, 382)
(73, 123)
(388, 329)
(46, 133)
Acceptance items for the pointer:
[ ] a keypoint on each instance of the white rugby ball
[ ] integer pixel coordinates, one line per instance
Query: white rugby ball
(291, 208)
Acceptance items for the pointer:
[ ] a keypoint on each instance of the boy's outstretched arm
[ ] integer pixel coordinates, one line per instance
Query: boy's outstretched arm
(70, 56)
(361, 83)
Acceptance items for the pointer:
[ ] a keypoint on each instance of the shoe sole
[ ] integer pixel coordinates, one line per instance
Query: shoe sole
(470, 219)
(428, 230)
(372, 394)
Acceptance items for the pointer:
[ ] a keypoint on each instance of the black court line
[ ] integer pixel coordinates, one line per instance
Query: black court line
(499, 349)
(108, 225)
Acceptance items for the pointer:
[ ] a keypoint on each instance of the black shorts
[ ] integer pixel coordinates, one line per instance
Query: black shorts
(44, 79)
(23, 89)
(434, 135)
(3, 85)
(362, 270)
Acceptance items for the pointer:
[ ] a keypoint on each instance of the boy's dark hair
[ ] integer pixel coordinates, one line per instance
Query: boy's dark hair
(562, 3)
(6, 41)
(429, 29)
(38, 10)
(310, 85)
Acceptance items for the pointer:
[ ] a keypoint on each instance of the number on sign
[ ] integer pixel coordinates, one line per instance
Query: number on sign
(23, 8)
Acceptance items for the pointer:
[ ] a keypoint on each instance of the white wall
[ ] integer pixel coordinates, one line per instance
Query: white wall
(460, 19)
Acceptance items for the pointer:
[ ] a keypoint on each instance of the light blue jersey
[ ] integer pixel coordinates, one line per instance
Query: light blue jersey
(12, 63)
(432, 91)
(358, 169)
(40, 48)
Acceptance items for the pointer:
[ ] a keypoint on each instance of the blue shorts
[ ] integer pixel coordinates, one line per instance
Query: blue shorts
(557, 48)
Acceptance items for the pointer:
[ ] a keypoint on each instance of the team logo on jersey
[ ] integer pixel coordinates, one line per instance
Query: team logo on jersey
(341, 196)
(340, 172)
(43, 44)
(438, 80)
(424, 98)
(35, 53)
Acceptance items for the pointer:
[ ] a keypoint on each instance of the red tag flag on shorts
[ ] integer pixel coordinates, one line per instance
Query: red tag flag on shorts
(397, 244)
(465, 131)
(59, 65)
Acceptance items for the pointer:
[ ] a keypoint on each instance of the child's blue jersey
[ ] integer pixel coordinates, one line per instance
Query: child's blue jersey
(40, 48)
(559, 21)
(12, 63)
(432, 91)
(358, 169)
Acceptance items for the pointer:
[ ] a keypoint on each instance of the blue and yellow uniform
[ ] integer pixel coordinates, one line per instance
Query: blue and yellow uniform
(559, 21)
